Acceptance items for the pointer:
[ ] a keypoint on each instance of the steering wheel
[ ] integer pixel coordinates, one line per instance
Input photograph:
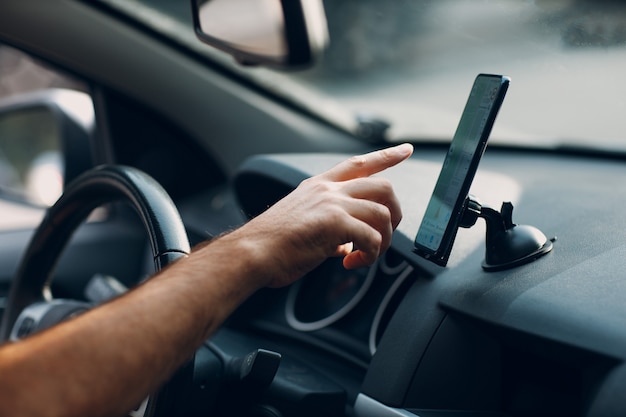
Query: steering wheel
(30, 295)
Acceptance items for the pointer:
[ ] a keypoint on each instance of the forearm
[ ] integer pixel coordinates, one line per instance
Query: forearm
(79, 367)
(128, 347)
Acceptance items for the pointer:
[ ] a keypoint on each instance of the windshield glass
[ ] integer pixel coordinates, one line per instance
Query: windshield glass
(409, 65)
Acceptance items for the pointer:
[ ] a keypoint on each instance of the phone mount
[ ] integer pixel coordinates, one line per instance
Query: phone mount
(507, 245)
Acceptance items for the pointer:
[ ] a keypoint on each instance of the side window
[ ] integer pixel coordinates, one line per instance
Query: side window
(19, 73)
(31, 143)
(32, 172)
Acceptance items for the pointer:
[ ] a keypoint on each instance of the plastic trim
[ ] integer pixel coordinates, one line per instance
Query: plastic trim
(368, 407)
(290, 305)
(384, 304)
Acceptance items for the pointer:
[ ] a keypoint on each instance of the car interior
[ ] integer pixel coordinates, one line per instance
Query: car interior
(132, 130)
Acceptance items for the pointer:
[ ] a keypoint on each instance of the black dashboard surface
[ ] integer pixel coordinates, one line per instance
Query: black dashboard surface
(460, 338)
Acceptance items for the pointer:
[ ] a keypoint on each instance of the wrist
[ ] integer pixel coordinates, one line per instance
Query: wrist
(240, 256)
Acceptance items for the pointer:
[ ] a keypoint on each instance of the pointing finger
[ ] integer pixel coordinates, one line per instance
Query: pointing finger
(370, 163)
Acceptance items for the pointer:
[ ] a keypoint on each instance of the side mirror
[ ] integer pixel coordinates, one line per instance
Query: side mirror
(281, 34)
(45, 142)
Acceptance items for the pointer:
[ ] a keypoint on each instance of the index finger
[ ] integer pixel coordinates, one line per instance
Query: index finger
(369, 164)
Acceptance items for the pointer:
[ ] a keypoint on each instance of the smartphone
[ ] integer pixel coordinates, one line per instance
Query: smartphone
(438, 229)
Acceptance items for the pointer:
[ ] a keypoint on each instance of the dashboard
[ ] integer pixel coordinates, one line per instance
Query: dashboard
(404, 337)
(407, 337)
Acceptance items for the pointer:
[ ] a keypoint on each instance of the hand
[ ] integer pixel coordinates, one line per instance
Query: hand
(342, 212)
(172, 314)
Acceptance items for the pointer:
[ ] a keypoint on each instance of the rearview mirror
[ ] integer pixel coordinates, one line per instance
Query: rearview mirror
(275, 33)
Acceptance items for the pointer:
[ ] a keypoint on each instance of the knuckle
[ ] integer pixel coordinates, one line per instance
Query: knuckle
(357, 161)
(307, 181)
(316, 186)
(382, 213)
(398, 218)
(372, 244)
(385, 186)
(386, 155)
(310, 182)
(377, 240)
(334, 217)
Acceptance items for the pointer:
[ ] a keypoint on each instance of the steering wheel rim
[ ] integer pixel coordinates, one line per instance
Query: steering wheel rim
(101, 185)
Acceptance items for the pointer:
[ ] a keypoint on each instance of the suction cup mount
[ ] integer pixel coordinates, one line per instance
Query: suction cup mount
(507, 245)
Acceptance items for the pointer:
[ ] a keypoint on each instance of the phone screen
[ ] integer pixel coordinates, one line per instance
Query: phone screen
(440, 223)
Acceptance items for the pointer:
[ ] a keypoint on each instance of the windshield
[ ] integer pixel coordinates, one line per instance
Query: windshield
(405, 67)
